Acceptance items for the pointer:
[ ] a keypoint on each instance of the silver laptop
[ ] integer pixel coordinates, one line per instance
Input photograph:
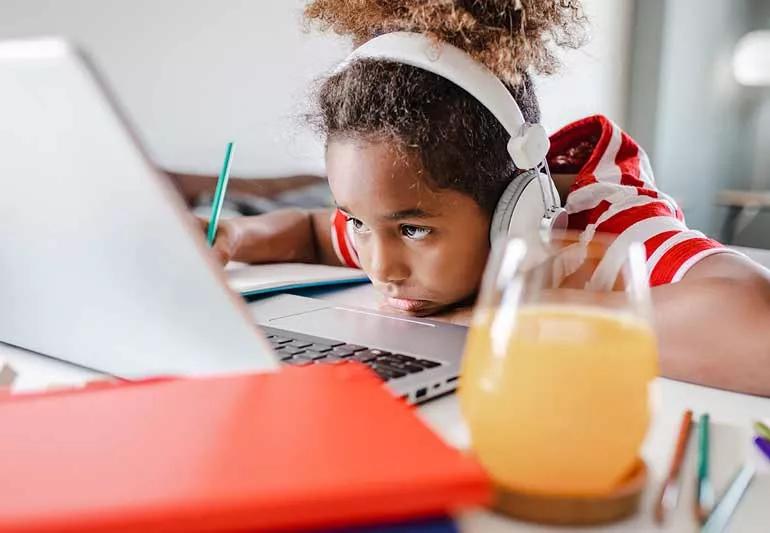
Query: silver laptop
(101, 265)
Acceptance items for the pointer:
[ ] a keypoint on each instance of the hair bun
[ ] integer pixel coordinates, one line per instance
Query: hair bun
(509, 36)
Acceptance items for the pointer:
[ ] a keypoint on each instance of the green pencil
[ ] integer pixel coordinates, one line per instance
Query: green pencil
(219, 193)
(704, 491)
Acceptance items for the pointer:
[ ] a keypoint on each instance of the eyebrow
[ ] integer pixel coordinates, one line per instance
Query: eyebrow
(413, 212)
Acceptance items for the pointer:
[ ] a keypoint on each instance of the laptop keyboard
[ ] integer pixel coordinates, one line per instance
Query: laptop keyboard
(299, 349)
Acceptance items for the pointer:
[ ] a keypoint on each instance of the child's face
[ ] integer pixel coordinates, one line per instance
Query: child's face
(423, 248)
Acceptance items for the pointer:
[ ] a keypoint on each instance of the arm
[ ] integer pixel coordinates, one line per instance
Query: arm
(287, 235)
(284, 236)
(714, 325)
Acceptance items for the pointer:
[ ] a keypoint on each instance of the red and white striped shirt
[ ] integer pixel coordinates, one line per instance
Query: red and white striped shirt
(614, 192)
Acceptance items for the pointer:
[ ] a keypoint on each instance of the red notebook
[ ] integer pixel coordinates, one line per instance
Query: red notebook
(318, 446)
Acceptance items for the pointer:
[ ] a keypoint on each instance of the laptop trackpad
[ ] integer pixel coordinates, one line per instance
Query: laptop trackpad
(406, 335)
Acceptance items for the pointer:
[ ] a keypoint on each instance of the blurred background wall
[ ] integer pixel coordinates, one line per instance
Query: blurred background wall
(195, 73)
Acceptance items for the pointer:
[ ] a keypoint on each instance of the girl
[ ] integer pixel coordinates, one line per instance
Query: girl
(416, 166)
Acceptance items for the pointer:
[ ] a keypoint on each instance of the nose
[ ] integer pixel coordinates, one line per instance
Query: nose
(387, 264)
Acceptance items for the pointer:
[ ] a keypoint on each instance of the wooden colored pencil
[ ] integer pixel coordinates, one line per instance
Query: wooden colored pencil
(669, 491)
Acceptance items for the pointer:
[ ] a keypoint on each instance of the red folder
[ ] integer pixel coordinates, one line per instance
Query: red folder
(318, 446)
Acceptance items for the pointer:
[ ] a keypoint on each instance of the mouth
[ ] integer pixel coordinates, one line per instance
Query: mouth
(407, 305)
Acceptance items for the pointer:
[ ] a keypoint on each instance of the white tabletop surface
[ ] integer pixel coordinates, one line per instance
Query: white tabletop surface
(732, 415)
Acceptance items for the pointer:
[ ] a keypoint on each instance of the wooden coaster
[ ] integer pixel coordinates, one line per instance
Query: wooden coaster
(576, 510)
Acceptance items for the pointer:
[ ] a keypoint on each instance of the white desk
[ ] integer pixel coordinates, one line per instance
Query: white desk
(731, 413)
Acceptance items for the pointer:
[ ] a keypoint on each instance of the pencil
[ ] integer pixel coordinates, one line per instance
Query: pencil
(763, 445)
(704, 491)
(219, 193)
(669, 492)
(729, 502)
(762, 430)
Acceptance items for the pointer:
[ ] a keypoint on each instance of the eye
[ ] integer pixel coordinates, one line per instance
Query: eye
(358, 226)
(416, 233)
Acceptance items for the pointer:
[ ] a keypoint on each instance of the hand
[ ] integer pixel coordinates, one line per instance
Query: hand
(225, 241)
(282, 236)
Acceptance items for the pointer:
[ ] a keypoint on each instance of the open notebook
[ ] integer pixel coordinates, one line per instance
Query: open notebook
(250, 280)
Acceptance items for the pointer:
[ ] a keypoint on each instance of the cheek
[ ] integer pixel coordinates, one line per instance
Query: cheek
(455, 267)
(362, 251)
(388, 250)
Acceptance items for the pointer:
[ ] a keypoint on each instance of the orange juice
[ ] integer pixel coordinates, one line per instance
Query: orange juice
(556, 400)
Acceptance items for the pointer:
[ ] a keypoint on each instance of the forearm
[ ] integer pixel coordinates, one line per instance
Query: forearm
(715, 331)
(285, 236)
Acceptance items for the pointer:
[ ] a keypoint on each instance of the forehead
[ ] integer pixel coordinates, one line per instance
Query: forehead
(377, 177)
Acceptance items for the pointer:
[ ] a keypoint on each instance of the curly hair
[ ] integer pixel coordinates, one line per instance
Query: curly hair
(460, 143)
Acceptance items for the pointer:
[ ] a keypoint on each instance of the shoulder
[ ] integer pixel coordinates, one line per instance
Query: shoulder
(615, 192)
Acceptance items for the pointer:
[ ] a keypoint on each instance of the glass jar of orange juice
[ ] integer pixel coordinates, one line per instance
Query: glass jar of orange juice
(557, 364)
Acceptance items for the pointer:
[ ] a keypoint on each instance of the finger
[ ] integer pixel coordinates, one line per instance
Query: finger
(202, 223)
(222, 254)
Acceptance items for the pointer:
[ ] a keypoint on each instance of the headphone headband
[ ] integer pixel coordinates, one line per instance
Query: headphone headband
(447, 61)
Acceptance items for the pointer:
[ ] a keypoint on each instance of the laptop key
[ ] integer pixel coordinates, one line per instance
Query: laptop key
(331, 360)
(427, 364)
(340, 351)
(389, 364)
(388, 359)
(351, 347)
(310, 354)
(400, 366)
(300, 344)
(384, 375)
(320, 347)
(332, 343)
(317, 340)
(279, 340)
(394, 372)
(292, 351)
(299, 361)
(364, 356)
(389, 372)
(403, 358)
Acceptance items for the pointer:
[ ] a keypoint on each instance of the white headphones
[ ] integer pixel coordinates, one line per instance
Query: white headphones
(530, 205)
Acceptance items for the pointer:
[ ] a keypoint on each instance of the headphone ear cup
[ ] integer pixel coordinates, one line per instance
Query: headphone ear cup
(507, 204)
(520, 211)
